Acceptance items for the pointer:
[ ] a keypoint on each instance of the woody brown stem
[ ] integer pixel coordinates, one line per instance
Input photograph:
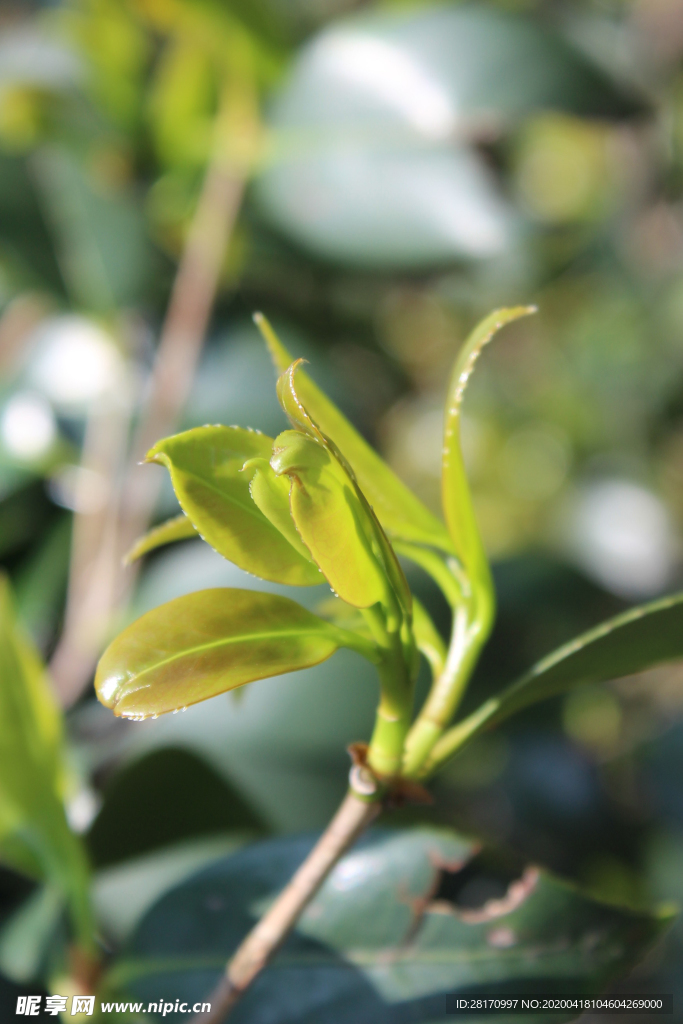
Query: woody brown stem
(352, 818)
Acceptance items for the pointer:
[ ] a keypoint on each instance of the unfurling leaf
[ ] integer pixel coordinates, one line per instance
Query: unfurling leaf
(314, 450)
(34, 835)
(631, 642)
(177, 528)
(270, 493)
(206, 471)
(205, 643)
(456, 498)
(330, 518)
(401, 514)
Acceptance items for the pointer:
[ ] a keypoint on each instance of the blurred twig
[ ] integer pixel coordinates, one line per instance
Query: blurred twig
(99, 584)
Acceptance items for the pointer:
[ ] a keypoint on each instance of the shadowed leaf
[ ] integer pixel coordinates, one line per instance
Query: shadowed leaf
(380, 944)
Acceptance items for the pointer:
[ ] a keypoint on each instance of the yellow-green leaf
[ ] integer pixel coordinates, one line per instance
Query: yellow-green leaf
(177, 528)
(401, 514)
(34, 835)
(456, 498)
(209, 642)
(206, 470)
(270, 493)
(330, 519)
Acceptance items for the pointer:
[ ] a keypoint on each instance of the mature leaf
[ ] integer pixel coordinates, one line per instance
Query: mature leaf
(333, 523)
(376, 945)
(456, 498)
(34, 834)
(177, 528)
(206, 470)
(206, 643)
(631, 642)
(401, 514)
(387, 102)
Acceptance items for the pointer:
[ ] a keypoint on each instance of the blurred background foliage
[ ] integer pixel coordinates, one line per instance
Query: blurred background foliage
(410, 167)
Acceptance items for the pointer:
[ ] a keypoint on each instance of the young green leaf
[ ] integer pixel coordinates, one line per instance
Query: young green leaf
(456, 498)
(34, 835)
(330, 519)
(270, 493)
(631, 642)
(294, 407)
(209, 642)
(206, 470)
(401, 514)
(177, 528)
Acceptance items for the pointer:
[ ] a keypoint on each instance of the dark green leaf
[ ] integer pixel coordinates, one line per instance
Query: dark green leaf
(172, 794)
(206, 470)
(380, 944)
(206, 643)
(373, 167)
(631, 642)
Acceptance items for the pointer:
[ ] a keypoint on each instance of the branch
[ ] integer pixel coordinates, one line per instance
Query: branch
(352, 818)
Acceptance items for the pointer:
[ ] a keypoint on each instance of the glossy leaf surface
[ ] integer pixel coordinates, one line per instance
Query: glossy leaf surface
(631, 642)
(270, 493)
(177, 528)
(205, 466)
(34, 834)
(456, 498)
(331, 520)
(398, 510)
(376, 946)
(206, 643)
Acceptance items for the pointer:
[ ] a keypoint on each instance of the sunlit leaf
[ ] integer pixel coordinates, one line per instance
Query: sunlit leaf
(381, 942)
(270, 493)
(206, 643)
(34, 834)
(206, 470)
(177, 528)
(401, 514)
(631, 642)
(456, 497)
(331, 520)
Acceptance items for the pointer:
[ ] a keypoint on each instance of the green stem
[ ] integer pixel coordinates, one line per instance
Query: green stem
(456, 737)
(467, 639)
(446, 573)
(396, 682)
